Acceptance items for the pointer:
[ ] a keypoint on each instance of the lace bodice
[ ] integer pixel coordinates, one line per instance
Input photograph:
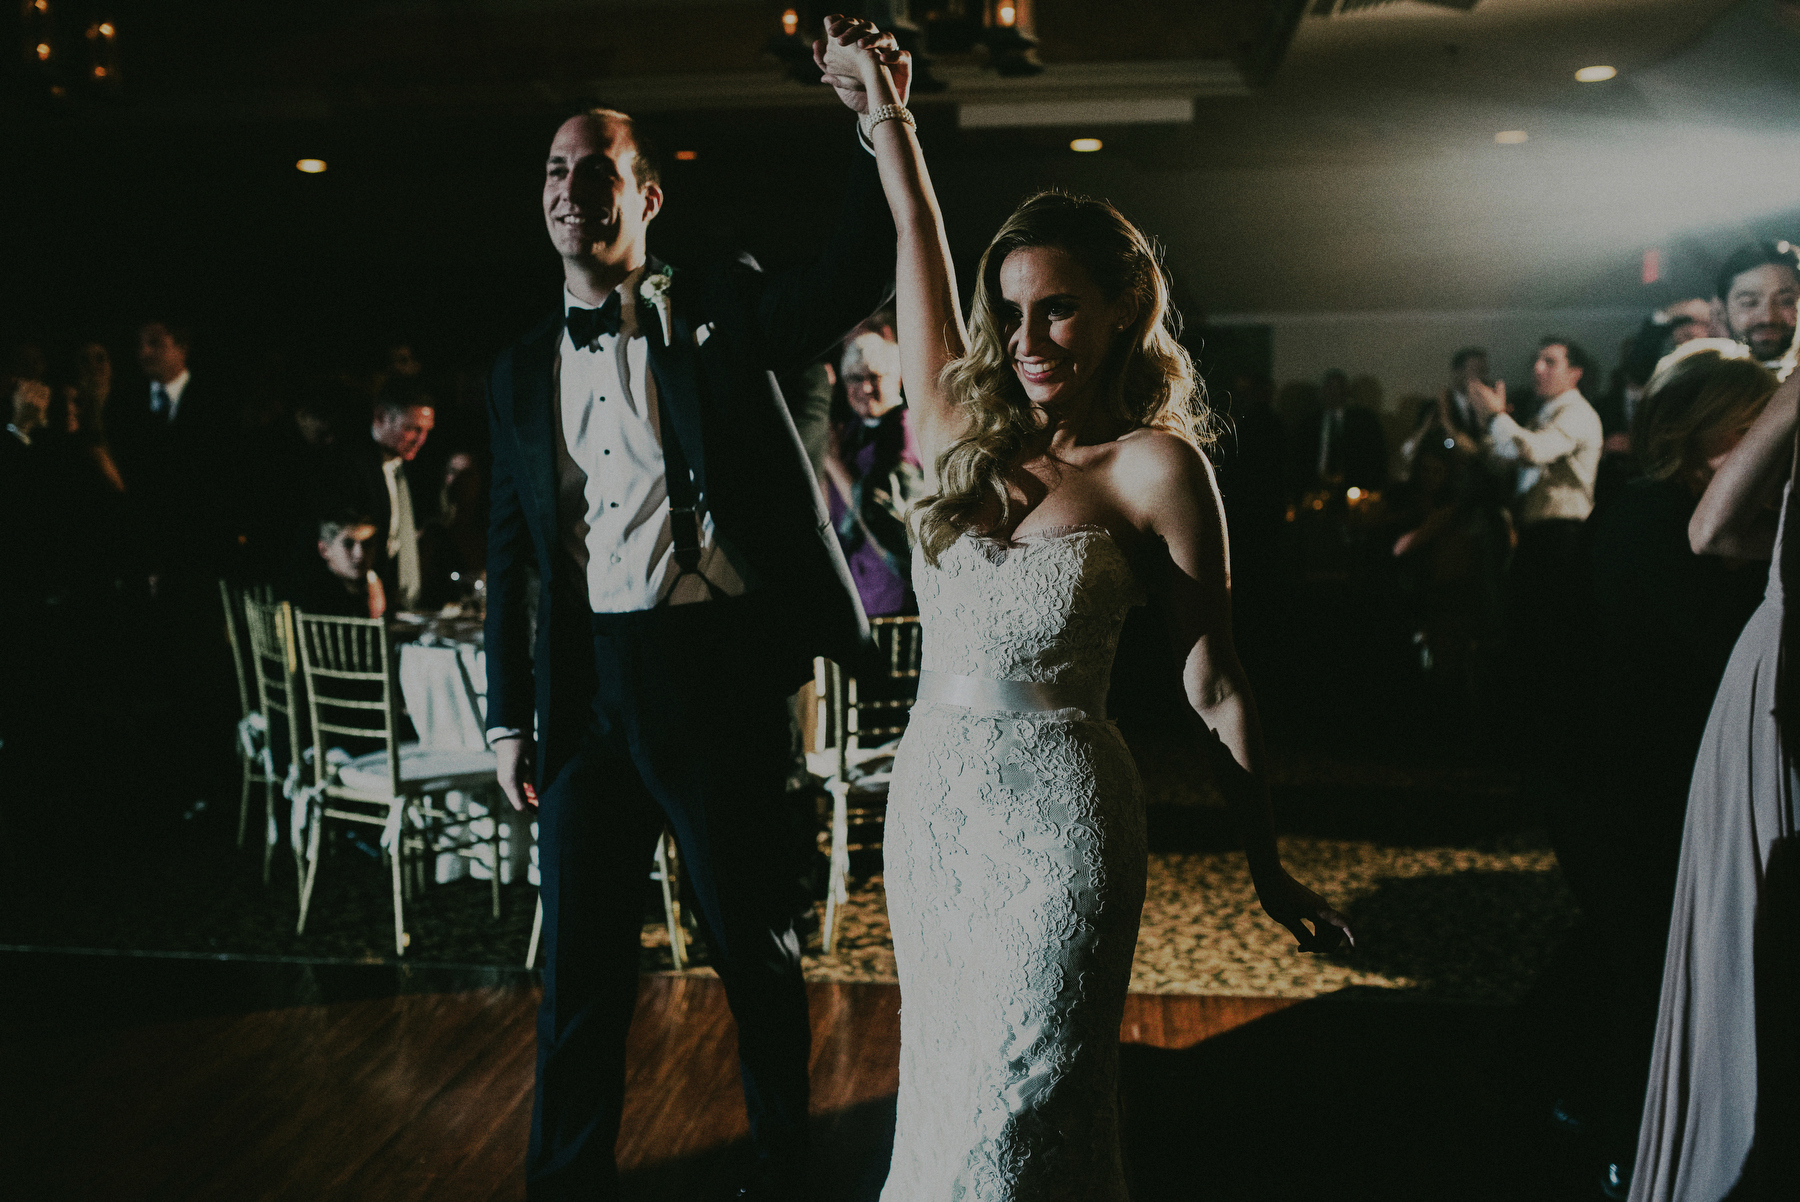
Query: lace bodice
(1047, 608)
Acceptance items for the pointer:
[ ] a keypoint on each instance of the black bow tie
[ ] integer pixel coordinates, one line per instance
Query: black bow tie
(585, 325)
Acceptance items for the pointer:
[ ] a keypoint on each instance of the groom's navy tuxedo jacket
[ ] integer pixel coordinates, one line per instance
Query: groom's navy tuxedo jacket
(733, 329)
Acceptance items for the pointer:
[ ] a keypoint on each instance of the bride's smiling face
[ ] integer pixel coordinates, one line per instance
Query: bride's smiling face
(1059, 325)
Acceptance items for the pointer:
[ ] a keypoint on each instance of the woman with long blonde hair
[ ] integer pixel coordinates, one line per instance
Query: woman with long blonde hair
(1062, 428)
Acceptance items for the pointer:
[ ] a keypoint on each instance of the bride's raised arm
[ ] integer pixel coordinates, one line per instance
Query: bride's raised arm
(856, 58)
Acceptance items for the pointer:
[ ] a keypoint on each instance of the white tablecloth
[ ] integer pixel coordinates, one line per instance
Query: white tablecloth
(446, 693)
(445, 687)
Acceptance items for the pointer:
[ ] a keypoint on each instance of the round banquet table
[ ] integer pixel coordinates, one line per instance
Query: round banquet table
(443, 679)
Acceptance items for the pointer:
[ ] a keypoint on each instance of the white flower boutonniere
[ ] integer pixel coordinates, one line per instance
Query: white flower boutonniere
(655, 289)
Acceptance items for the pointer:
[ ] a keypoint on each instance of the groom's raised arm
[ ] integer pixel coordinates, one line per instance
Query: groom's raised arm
(802, 311)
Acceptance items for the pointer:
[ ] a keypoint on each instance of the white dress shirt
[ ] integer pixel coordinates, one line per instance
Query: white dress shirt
(1562, 446)
(612, 497)
(172, 390)
(390, 476)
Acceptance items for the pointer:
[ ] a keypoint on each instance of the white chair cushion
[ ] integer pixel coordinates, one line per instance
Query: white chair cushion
(369, 773)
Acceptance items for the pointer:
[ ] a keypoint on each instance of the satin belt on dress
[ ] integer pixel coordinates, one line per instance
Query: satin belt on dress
(984, 693)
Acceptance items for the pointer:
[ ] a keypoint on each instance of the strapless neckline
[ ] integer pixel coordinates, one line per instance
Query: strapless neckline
(996, 550)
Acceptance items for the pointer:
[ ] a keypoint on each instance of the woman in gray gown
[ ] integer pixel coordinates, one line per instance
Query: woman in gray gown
(1062, 429)
(1700, 1112)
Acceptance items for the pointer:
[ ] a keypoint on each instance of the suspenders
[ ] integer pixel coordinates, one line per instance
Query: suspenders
(684, 506)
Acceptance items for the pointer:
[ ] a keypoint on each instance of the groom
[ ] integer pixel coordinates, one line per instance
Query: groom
(646, 469)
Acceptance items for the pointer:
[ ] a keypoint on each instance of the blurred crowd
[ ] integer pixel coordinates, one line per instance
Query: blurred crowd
(1529, 566)
(1448, 563)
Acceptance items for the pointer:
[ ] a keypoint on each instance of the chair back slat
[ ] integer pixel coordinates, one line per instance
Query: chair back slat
(232, 599)
(857, 712)
(349, 672)
(901, 642)
(875, 707)
(275, 666)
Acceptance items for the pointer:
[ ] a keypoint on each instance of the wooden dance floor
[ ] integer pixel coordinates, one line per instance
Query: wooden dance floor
(312, 1082)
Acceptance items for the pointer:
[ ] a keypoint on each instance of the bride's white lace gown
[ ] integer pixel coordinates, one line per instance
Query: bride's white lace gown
(1015, 864)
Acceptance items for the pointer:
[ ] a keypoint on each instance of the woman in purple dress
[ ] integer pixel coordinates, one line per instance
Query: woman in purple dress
(872, 468)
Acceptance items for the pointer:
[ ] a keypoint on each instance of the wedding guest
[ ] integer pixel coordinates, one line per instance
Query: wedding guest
(369, 476)
(1665, 621)
(340, 581)
(1252, 468)
(1757, 292)
(872, 469)
(1452, 420)
(87, 491)
(1449, 434)
(172, 448)
(1559, 455)
(1663, 331)
(1720, 1016)
(22, 474)
(24, 549)
(1340, 446)
(453, 545)
(84, 412)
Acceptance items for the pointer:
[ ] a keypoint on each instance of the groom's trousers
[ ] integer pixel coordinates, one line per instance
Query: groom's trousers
(690, 725)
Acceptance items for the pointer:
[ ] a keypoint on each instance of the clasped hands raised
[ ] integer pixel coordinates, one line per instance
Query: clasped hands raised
(853, 47)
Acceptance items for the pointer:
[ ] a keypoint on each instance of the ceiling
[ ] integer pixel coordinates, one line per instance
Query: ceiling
(1360, 174)
(1366, 176)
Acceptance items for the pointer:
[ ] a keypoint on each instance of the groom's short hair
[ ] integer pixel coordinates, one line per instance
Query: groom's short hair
(647, 164)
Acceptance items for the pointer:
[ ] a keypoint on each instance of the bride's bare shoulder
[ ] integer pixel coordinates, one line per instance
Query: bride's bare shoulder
(1157, 461)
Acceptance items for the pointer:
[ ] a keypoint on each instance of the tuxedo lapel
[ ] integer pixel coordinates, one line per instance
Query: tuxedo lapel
(677, 383)
(533, 370)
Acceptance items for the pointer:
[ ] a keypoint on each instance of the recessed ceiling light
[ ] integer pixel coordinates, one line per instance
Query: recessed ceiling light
(1595, 74)
(1511, 137)
(1085, 145)
(310, 166)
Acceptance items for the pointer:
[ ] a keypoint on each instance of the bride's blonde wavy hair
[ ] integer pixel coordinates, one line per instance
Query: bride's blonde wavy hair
(1148, 379)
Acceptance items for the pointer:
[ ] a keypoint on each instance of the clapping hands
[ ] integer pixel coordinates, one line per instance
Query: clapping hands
(850, 50)
(1489, 398)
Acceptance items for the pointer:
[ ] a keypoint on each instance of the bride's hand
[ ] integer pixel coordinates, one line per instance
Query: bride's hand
(850, 49)
(1293, 905)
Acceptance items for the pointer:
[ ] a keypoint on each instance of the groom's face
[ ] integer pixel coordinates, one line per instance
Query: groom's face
(594, 206)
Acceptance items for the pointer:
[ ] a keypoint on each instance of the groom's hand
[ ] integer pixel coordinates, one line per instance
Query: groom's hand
(512, 766)
(852, 46)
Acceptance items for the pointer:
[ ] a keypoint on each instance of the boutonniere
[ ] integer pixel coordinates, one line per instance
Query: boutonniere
(655, 289)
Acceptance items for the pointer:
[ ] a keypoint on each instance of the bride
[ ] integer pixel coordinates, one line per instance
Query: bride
(1062, 425)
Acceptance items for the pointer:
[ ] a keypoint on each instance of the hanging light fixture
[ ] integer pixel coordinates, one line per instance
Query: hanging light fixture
(103, 53)
(1012, 51)
(792, 50)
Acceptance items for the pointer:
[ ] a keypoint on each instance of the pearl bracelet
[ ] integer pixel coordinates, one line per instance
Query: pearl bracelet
(886, 112)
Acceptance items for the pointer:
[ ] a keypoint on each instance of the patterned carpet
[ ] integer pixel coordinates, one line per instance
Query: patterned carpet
(1453, 924)
(1443, 870)
(1458, 899)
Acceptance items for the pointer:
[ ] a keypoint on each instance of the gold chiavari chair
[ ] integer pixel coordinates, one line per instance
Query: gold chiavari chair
(252, 723)
(348, 666)
(860, 722)
(275, 666)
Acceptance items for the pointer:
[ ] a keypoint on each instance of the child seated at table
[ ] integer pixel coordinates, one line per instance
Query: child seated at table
(340, 582)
